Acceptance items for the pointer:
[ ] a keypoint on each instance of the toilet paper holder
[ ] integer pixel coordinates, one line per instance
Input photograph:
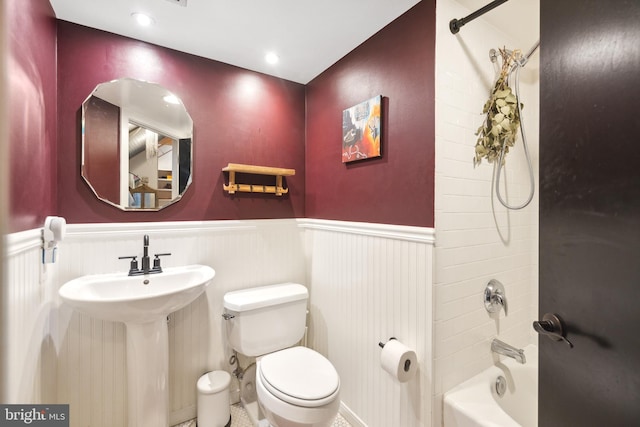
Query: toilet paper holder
(406, 365)
(382, 344)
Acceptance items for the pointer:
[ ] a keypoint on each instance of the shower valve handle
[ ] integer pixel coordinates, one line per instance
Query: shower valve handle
(552, 327)
(495, 297)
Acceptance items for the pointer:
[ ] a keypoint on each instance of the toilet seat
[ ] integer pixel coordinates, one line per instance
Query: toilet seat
(299, 376)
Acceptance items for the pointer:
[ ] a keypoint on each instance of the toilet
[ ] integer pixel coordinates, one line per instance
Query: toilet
(296, 386)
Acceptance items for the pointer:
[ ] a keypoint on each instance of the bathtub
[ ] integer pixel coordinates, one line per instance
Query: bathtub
(475, 402)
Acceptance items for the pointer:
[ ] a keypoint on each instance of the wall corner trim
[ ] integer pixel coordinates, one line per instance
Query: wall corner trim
(389, 231)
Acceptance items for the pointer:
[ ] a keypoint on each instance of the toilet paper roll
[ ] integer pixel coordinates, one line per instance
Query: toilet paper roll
(399, 360)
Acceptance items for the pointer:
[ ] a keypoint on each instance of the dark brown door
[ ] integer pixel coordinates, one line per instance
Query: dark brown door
(101, 161)
(590, 211)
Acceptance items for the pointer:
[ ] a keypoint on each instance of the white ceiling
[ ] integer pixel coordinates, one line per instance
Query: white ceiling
(308, 35)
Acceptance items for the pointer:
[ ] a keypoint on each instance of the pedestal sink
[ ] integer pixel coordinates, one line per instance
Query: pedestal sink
(143, 304)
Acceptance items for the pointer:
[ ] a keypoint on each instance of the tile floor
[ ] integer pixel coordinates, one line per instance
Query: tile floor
(239, 418)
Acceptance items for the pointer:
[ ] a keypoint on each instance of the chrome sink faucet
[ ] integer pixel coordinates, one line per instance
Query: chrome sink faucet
(146, 262)
(505, 349)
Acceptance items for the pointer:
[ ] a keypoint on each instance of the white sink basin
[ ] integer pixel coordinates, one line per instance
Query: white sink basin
(137, 299)
(143, 304)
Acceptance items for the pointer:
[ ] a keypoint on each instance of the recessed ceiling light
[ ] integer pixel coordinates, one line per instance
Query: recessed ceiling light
(142, 19)
(272, 58)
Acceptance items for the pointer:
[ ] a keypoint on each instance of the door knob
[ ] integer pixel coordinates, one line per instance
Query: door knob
(551, 326)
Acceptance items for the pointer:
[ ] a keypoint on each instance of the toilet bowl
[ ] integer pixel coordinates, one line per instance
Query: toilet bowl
(297, 387)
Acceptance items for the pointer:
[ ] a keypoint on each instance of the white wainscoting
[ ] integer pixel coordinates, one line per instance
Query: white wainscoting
(59, 355)
(29, 313)
(368, 282)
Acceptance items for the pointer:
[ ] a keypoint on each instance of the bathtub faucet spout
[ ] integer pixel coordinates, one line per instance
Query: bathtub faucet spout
(505, 349)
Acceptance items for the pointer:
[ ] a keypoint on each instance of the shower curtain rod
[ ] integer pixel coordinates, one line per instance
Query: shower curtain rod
(456, 24)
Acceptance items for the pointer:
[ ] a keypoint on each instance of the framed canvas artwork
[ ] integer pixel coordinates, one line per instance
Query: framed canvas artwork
(361, 129)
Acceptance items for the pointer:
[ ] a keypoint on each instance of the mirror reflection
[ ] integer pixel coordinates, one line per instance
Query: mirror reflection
(136, 145)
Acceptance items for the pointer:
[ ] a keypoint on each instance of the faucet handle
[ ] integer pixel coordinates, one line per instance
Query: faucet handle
(499, 298)
(134, 263)
(495, 297)
(156, 260)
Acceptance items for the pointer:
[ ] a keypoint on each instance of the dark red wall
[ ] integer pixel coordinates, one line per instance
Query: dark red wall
(32, 112)
(397, 63)
(239, 117)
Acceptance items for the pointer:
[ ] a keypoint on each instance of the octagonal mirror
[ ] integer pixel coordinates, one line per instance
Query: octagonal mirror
(137, 142)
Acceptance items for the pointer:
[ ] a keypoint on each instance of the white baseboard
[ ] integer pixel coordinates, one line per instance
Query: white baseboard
(350, 416)
(183, 415)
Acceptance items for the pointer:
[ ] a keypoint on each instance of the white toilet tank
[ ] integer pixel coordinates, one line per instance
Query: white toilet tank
(267, 318)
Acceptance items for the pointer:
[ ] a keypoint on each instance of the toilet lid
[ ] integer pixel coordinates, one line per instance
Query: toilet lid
(300, 376)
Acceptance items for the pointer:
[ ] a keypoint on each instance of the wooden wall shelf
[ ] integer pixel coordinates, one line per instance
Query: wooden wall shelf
(277, 189)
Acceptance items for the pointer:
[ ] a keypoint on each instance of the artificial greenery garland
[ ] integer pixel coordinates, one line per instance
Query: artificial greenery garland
(503, 116)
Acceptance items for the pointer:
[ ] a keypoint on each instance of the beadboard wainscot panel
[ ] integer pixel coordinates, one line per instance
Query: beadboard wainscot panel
(30, 355)
(370, 282)
(92, 358)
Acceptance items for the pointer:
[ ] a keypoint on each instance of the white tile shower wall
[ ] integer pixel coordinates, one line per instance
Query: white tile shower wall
(58, 355)
(478, 239)
(370, 282)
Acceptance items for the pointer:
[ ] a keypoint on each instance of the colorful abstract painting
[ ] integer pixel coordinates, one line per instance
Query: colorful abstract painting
(361, 129)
